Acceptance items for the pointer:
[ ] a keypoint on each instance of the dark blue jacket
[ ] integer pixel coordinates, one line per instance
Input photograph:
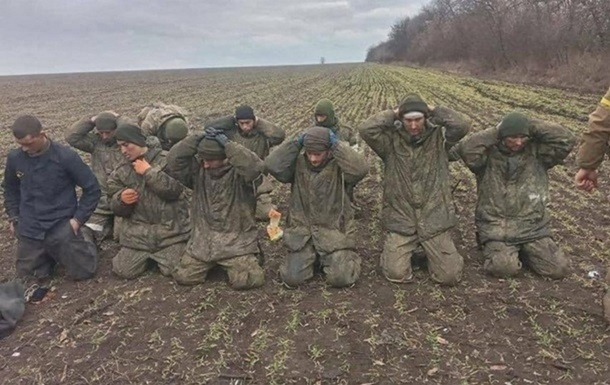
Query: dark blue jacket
(39, 191)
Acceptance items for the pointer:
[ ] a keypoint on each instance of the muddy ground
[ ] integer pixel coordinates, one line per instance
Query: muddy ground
(525, 330)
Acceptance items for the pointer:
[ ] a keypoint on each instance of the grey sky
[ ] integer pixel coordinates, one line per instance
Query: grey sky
(40, 36)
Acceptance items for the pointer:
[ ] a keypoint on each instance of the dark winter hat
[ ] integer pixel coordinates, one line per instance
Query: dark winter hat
(316, 139)
(105, 121)
(514, 123)
(412, 103)
(244, 112)
(130, 132)
(210, 149)
(176, 129)
(26, 125)
(325, 107)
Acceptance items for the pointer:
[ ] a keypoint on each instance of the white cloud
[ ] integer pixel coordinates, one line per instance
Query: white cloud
(66, 36)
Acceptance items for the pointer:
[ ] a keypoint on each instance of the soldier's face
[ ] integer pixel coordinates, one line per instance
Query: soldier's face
(130, 150)
(317, 158)
(515, 143)
(414, 126)
(32, 144)
(320, 118)
(246, 125)
(213, 164)
(107, 135)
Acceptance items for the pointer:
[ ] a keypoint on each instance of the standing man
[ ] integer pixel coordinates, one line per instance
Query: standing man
(156, 223)
(511, 163)
(321, 219)
(167, 122)
(95, 135)
(222, 175)
(412, 142)
(44, 213)
(257, 135)
(593, 149)
(324, 116)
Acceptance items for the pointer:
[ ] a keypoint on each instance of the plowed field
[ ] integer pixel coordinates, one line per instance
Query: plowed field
(525, 330)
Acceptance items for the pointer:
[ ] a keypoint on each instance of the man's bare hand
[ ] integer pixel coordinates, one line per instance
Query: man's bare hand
(141, 166)
(586, 179)
(129, 196)
(75, 225)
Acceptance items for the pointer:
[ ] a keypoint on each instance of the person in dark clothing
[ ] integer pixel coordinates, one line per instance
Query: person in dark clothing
(40, 199)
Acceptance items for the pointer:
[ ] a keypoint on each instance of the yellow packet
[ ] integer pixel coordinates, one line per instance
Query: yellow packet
(273, 228)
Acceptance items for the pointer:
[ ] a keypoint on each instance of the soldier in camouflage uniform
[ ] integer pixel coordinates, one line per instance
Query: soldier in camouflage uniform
(95, 135)
(223, 175)
(594, 146)
(412, 142)
(257, 135)
(511, 163)
(321, 219)
(167, 122)
(324, 116)
(153, 206)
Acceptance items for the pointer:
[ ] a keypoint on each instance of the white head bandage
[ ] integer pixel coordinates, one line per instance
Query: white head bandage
(413, 115)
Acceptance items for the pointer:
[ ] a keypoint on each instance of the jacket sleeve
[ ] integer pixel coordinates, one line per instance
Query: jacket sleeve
(166, 187)
(282, 161)
(594, 143)
(114, 188)
(246, 163)
(274, 134)
(79, 135)
(455, 124)
(12, 190)
(351, 136)
(375, 131)
(352, 163)
(181, 163)
(475, 149)
(86, 180)
(555, 142)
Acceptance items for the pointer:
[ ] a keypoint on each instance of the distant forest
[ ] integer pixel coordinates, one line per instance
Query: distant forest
(567, 40)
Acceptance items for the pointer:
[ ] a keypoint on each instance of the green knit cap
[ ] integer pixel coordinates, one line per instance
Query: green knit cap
(325, 107)
(130, 132)
(176, 129)
(412, 103)
(209, 149)
(105, 121)
(513, 124)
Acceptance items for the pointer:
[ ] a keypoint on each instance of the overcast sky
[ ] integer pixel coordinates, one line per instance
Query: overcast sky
(42, 36)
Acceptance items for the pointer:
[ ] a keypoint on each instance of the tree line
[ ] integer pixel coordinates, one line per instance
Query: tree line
(495, 35)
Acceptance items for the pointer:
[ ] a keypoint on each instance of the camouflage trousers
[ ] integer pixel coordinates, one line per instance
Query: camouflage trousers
(99, 227)
(37, 258)
(244, 271)
(341, 267)
(542, 256)
(444, 262)
(131, 263)
(264, 202)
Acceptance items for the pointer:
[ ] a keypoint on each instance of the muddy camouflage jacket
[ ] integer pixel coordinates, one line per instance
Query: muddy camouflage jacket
(105, 157)
(160, 218)
(343, 132)
(513, 188)
(152, 118)
(594, 143)
(416, 184)
(320, 208)
(223, 202)
(263, 136)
